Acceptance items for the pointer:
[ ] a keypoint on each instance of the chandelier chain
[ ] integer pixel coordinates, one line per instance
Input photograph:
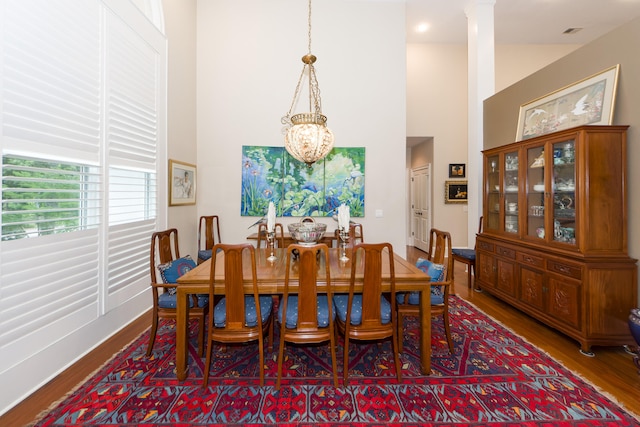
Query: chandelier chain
(307, 138)
(309, 33)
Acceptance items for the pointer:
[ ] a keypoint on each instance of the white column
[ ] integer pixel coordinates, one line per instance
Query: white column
(481, 85)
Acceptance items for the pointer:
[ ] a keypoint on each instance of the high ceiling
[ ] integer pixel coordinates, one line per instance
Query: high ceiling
(521, 21)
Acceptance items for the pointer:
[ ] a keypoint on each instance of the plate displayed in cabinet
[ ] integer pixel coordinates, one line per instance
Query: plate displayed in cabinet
(511, 188)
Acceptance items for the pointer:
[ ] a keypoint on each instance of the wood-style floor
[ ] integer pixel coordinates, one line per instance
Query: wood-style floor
(611, 370)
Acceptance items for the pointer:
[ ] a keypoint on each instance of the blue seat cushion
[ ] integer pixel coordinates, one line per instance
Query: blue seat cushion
(204, 254)
(322, 311)
(469, 254)
(171, 271)
(250, 312)
(433, 270)
(436, 272)
(341, 301)
(168, 300)
(437, 298)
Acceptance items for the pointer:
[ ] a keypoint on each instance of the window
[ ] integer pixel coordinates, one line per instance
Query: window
(82, 139)
(42, 197)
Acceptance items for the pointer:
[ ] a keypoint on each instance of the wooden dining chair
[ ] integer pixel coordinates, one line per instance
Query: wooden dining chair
(304, 315)
(370, 315)
(439, 266)
(467, 257)
(208, 236)
(165, 259)
(238, 316)
(262, 235)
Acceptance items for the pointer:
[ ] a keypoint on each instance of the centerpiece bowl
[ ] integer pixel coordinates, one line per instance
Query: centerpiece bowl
(307, 232)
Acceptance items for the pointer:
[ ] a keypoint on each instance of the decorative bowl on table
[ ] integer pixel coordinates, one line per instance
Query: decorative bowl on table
(307, 232)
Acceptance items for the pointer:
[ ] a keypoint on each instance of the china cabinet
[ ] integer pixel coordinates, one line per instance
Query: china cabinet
(555, 235)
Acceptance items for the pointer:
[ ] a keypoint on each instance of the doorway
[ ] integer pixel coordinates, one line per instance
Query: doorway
(421, 206)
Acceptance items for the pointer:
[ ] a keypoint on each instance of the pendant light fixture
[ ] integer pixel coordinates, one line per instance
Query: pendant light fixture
(307, 137)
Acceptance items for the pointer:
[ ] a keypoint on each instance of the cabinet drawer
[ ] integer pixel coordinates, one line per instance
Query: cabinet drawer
(564, 269)
(485, 246)
(506, 252)
(531, 260)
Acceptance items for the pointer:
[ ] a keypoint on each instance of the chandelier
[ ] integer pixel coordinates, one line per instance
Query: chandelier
(307, 137)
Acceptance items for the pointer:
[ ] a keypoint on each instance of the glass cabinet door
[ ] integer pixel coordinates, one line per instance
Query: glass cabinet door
(510, 189)
(564, 192)
(535, 192)
(492, 218)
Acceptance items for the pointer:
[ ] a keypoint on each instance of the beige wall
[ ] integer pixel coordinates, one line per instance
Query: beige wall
(618, 47)
(248, 66)
(180, 29)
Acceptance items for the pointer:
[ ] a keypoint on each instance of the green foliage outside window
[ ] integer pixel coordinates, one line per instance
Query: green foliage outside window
(41, 197)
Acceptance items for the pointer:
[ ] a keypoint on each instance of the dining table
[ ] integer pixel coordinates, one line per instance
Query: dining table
(270, 278)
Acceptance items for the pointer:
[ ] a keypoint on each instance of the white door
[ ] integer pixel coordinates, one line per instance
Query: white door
(421, 206)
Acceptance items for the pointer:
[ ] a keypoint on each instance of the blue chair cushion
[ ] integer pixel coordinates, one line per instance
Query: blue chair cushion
(204, 254)
(250, 312)
(341, 302)
(469, 254)
(437, 298)
(168, 300)
(171, 271)
(436, 272)
(292, 311)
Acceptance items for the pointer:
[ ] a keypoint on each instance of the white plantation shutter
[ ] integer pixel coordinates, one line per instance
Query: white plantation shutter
(51, 72)
(132, 127)
(82, 82)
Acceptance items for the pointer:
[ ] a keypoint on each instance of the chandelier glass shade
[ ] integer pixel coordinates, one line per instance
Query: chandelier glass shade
(307, 137)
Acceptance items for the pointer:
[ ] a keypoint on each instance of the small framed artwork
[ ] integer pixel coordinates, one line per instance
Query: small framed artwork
(589, 101)
(182, 183)
(457, 170)
(455, 192)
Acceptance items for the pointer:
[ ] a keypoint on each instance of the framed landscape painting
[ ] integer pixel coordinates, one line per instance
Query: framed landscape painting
(270, 174)
(587, 102)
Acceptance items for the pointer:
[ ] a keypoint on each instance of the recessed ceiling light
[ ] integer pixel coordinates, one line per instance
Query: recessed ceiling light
(422, 28)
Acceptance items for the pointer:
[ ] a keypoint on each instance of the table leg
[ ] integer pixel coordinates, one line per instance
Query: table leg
(182, 334)
(425, 331)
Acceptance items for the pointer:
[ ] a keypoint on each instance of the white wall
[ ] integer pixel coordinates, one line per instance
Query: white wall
(248, 66)
(180, 28)
(437, 107)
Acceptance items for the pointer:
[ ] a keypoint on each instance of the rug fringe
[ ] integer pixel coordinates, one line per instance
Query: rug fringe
(577, 374)
(75, 388)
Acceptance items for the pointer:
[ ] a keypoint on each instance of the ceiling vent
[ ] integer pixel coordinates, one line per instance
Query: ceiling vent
(571, 30)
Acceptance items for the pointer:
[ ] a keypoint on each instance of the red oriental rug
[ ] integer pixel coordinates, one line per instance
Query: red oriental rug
(494, 378)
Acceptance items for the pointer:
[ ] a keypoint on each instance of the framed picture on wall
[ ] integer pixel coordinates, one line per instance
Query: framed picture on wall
(457, 170)
(589, 101)
(455, 192)
(182, 183)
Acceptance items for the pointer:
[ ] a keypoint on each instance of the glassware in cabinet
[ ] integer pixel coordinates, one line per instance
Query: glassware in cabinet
(493, 193)
(535, 190)
(510, 186)
(564, 192)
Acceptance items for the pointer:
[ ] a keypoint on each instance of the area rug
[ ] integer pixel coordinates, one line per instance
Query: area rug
(494, 378)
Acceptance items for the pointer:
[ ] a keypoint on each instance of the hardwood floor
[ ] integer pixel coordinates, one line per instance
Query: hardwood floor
(611, 370)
